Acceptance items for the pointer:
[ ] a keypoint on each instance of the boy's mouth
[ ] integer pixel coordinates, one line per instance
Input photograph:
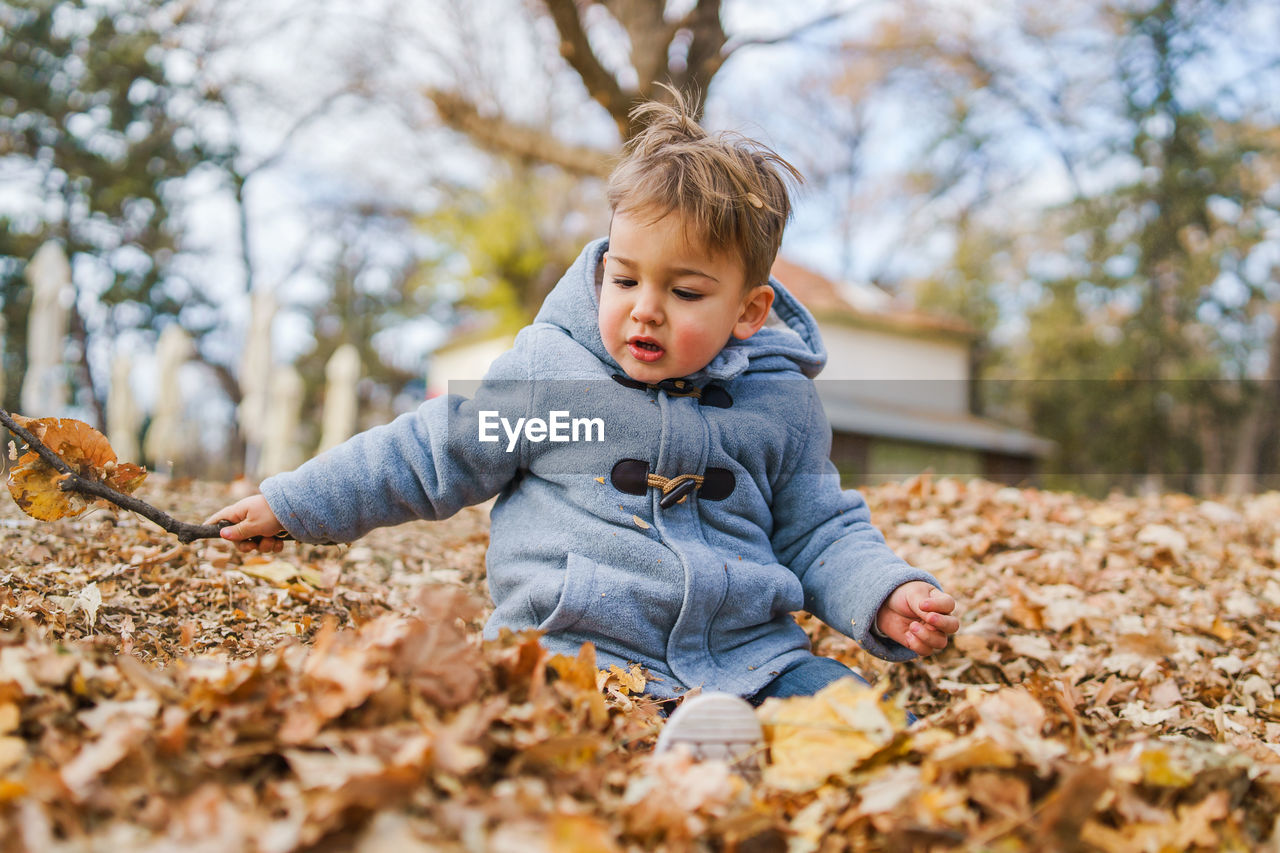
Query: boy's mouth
(644, 349)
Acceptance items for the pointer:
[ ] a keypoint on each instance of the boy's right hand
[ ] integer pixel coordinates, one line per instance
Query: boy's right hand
(252, 517)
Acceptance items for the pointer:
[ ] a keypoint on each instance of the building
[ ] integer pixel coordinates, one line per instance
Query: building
(898, 387)
(899, 390)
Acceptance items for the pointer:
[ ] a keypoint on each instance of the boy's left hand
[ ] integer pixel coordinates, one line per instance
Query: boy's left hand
(919, 616)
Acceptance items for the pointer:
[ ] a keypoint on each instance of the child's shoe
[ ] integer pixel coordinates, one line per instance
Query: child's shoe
(716, 726)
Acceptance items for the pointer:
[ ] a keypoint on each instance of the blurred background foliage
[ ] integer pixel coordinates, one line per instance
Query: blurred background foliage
(1094, 186)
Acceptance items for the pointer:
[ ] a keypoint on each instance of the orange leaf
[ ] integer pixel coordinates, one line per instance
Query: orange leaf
(35, 484)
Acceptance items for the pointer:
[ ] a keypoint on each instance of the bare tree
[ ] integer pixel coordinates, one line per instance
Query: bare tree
(681, 49)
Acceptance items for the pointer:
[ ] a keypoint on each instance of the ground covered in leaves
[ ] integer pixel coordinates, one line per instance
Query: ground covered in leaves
(1113, 688)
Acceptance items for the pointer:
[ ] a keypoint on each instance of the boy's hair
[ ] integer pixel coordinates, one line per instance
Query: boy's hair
(731, 190)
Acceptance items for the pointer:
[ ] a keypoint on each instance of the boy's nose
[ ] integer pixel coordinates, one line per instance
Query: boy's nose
(646, 311)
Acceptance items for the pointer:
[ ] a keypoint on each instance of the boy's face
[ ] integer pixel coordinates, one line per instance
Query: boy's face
(667, 305)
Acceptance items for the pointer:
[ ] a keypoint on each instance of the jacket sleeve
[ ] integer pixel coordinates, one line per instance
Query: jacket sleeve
(824, 534)
(426, 464)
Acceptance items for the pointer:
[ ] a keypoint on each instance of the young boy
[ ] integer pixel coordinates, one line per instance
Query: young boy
(696, 507)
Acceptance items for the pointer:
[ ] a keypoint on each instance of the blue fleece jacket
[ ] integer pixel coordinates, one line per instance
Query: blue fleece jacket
(698, 591)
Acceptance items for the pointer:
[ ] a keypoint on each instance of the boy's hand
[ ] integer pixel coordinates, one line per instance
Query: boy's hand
(252, 517)
(919, 616)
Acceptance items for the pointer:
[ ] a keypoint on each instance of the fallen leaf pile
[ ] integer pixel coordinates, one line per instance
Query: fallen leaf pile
(1113, 688)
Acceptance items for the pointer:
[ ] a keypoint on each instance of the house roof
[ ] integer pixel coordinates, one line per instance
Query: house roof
(862, 305)
(929, 427)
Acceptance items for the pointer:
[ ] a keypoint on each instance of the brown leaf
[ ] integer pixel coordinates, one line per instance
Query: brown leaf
(82, 774)
(35, 484)
(675, 796)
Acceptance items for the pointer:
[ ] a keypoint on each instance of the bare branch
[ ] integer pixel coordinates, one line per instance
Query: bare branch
(706, 49)
(73, 482)
(793, 33)
(501, 135)
(650, 34)
(318, 110)
(576, 48)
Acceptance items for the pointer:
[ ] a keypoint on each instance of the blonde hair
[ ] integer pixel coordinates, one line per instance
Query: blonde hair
(731, 190)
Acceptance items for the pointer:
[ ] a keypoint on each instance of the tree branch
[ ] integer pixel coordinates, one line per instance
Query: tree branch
(73, 482)
(501, 135)
(576, 49)
(650, 34)
(707, 50)
(794, 32)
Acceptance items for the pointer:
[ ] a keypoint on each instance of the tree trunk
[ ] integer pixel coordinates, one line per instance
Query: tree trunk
(80, 333)
(1242, 477)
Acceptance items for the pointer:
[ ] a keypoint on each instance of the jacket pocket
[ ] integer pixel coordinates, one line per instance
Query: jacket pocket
(576, 588)
(756, 595)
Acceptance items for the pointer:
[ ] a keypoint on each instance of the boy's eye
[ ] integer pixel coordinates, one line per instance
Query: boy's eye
(624, 282)
(687, 295)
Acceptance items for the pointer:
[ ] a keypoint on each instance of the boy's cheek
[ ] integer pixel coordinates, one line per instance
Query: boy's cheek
(608, 322)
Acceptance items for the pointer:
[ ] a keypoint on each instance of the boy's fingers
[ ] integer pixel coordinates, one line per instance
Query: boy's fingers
(932, 638)
(895, 626)
(937, 602)
(263, 545)
(919, 636)
(222, 515)
(918, 645)
(945, 624)
(234, 532)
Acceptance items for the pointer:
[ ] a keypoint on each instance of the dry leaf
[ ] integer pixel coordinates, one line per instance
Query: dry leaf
(273, 571)
(1142, 714)
(35, 484)
(89, 600)
(675, 796)
(624, 680)
(812, 738)
(12, 750)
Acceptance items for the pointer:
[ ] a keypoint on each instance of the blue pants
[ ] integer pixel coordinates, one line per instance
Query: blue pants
(807, 678)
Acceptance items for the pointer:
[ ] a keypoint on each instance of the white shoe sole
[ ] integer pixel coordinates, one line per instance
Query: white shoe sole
(714, 726)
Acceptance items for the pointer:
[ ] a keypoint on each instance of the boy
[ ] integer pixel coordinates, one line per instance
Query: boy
(707, 512)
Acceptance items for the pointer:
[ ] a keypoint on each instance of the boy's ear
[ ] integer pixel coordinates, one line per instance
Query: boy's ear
(754, 311)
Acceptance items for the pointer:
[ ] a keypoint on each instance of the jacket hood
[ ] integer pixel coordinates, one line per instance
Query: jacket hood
(788, 341)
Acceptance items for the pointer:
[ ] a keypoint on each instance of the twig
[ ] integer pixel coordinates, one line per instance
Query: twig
(73, 482)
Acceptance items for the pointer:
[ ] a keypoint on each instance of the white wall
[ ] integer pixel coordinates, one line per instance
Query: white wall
(897, 369)
(864, 364)
(466, 363)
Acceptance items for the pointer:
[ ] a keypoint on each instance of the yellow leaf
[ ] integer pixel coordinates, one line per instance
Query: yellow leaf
(1222, 630)
(578, 676)
(1159, 769)
(640, 522)
(971, 752)
(12, 750)
(812, 738)
(581, 834)
(35, 484)
(579, 671)
(628, 681)
(311, 577)
(10, 718)
(274, 571)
